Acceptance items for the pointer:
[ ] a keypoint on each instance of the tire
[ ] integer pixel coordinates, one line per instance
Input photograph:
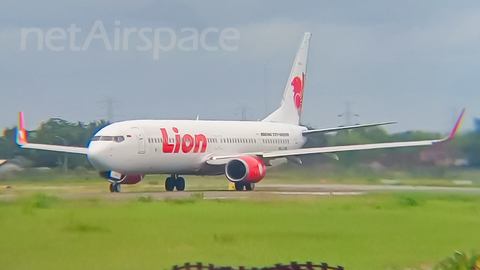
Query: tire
(180, 184)
(169, 184)
(111, 188)
(249, 186)
(117, 188)
(239, 186)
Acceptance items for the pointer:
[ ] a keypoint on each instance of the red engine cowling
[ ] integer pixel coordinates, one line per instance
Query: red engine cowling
(246, 168)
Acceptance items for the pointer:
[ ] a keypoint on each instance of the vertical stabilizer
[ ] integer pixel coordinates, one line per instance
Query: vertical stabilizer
(291, 107)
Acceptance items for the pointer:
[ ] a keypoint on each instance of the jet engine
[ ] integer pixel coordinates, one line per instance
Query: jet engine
(245, 168)
(123, 179)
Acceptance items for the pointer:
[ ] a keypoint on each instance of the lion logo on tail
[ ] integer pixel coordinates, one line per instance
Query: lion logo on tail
(298, 85)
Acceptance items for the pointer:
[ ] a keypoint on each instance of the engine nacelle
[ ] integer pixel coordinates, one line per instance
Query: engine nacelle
(246, 168)
(123, 179)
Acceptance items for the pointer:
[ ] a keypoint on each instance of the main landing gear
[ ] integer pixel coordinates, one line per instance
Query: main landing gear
(175, 182)
(239, 186)
(115, 187)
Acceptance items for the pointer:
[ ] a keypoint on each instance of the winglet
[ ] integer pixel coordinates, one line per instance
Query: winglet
(455, 130)
(21, 137)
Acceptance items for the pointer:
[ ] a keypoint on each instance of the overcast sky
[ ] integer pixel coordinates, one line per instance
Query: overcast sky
(416, 62)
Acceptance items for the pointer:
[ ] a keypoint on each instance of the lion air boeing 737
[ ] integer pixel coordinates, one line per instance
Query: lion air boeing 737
(124, 152)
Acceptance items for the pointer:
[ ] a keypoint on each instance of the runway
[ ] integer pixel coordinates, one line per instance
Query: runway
(262, 191)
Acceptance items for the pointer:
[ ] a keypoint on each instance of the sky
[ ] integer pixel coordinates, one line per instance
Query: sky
(415, 62)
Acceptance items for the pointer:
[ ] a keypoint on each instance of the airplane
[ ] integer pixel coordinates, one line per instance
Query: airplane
(124, 152)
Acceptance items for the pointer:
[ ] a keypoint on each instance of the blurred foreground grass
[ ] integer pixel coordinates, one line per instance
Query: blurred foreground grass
(377, 231)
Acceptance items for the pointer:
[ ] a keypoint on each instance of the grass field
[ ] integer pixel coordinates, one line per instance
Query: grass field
(378, 231)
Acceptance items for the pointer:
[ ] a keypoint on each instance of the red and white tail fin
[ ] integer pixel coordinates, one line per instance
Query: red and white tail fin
(291, 107)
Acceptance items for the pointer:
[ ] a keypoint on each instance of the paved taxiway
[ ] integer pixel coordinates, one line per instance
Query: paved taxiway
(264, 190)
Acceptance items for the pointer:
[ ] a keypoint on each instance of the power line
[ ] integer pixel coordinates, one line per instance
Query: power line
(348, 114)
(266, 93)
(110, 102)
(244, 110)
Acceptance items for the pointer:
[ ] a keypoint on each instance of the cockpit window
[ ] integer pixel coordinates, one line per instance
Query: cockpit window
(108, 138)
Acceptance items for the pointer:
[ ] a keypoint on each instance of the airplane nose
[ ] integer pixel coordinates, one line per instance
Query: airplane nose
(99, 155)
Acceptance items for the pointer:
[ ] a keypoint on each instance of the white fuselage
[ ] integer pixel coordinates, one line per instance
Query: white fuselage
(183, 146)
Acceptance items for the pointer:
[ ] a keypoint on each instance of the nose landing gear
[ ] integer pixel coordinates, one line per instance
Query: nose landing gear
(115, 187)
(175, 182)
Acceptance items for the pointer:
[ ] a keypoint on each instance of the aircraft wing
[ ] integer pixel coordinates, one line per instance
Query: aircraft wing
(343, 148)
(56, 148)
(336, 149)
(21, 139)
(327, 130)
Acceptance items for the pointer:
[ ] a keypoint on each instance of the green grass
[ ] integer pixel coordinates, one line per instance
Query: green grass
(379, 231)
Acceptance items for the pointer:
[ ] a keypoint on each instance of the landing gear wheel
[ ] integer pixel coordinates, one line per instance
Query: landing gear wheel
(239, 186)
(249, 186)
(180, 184)
(115, 188)
(169, 184)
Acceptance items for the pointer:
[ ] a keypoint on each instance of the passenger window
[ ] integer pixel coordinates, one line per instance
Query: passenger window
(95, 138)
